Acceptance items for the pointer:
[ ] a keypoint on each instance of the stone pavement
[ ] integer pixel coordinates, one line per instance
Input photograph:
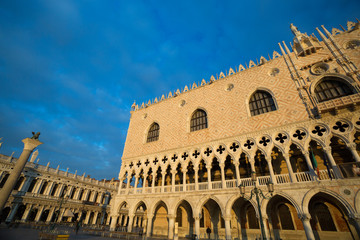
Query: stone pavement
(26, 233)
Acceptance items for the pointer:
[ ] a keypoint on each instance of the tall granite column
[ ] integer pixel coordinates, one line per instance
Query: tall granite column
(29, 146)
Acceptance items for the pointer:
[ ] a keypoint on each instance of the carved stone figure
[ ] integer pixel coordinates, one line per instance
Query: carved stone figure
(295, 30)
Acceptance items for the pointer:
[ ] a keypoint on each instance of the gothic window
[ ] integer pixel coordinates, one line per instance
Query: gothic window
(261, 102)
(198, 120)
(330, 88)
(3, 181)
(153, 134)
(43, 188)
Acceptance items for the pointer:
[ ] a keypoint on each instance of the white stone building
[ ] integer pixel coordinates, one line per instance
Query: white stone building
(39, 190)
(293, 119)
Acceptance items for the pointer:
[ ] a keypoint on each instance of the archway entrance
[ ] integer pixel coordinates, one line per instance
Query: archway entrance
(185, 220)
(329, 218)
(211, 217)
(160, 222)
(244, 223)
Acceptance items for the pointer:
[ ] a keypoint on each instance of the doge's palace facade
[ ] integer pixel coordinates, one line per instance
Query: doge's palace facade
(293, 119)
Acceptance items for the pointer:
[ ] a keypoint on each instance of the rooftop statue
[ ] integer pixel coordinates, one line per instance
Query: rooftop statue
(295, 30)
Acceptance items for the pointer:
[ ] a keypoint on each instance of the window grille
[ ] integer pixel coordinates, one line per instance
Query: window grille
(198, 120)
(153, 134)
(261, 102)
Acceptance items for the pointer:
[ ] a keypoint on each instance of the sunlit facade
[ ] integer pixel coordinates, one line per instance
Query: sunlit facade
(293, 119)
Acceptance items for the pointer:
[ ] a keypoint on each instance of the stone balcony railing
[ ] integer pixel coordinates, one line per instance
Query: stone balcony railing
(281, 179)
(338, 103)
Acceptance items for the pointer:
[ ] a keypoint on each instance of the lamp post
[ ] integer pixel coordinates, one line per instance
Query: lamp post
(61, 201)
(257, 192)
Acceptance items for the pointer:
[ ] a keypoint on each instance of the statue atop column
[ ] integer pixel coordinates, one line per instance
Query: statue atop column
(35, 135)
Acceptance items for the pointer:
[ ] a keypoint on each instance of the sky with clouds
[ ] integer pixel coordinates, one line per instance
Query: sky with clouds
(72, 69)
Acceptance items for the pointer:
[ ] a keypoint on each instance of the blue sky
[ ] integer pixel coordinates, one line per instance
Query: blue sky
(72, 69)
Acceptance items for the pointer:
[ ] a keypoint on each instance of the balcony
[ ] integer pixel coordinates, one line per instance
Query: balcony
(338, 103)
(282, 179)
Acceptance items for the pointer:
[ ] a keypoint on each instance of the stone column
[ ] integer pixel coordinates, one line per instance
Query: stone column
(266, 226)
(87, 217)
(120, 185)
(29, 146)
(305, 218)
(197, 226)
(173, 180)
(131, 219)
(271, 170)
(355, 227)
(108, 219)
(61, 214)
(113, 223)
(149, 224)
(163, 175)
(128, 184)
(227, 227)
(223, 183)
(196, 169)
(314, 176)
(144, 182)
(96, 214)
(49, 188)
(184, 179)
(352, 148)
(237, 174)
(136, 183)
(26, 213)
(209, 177)
(87, 192)
(288, 164)
(26, 184)
(51, 213)
(171, 226)
(337, 172)
(38, 214)
(153, 183)
(38, 186)
(12, 213)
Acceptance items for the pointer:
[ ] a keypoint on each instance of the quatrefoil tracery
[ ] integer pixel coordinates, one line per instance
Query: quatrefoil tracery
(281, 138)
(299, 134)
(341, 126)
(264, 141)
(319, 130)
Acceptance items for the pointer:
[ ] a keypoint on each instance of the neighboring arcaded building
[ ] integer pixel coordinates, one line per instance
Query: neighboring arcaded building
(293, 119)
(40, 189)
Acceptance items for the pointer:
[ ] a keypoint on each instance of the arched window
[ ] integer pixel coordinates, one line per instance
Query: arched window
(153, 134)
(261, 102)
(198, 120)
(330, 88)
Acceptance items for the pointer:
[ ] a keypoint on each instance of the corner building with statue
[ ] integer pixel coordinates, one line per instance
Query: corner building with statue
(291, 120)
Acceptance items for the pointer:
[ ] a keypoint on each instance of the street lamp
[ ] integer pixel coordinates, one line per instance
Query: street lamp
(257, 192)
(61, 201)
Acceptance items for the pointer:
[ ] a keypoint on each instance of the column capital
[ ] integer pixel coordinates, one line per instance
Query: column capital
(227, 218)
(31, 144)
(352, 146)
(304, 216)
(150, 215)
(171, 216)
(327, 149)
(354, 216)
